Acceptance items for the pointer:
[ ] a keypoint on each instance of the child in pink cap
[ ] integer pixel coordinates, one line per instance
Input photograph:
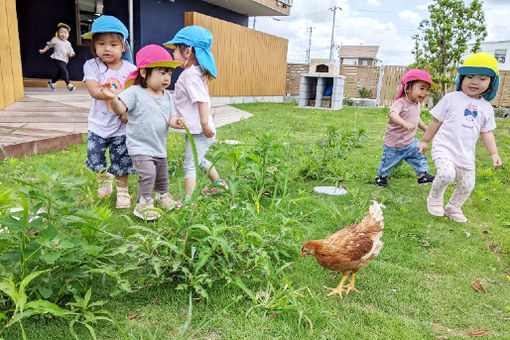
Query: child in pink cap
(399, 140)
(150, 111)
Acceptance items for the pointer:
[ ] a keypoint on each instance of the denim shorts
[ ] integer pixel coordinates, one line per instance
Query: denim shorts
(393, 156)
(120, 160)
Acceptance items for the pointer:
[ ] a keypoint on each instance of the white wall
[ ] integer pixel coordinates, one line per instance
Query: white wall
(491, 47)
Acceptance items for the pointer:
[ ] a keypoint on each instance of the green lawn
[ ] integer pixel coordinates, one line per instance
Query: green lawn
(419, 287)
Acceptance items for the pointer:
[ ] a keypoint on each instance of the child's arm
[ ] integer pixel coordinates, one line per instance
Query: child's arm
(43, 50)
(490, 144)
(117, 105)
(429, 134)
(95, 89)
(395, 118)
(203, 108)
(422, 125)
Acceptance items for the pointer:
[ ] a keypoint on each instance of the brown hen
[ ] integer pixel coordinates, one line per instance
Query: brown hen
(349, 249)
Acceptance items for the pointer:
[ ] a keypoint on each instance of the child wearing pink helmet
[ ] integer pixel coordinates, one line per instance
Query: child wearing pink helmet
(150, 111)
(399, 140)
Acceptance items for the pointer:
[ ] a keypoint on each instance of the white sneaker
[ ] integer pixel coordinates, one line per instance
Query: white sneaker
(166, 201)
(70, 87)
(144, 209)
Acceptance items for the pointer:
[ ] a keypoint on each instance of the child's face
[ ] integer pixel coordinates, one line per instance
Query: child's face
(419, 91)
(475, 84)
(109, 47)
(63, 33)
(182, 56)
(159, 79)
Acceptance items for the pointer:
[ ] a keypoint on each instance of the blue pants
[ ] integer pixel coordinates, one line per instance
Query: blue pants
(393, 156)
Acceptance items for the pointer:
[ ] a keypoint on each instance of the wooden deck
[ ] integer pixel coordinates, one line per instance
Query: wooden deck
(55, 120)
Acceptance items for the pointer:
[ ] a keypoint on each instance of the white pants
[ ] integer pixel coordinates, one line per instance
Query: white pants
(447, 172)
(202, 144)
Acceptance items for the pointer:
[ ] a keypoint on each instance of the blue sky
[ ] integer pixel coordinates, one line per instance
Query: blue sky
(387, 23)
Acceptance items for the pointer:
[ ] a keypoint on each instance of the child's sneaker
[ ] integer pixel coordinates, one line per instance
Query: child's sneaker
(123, 198)
(70, 87)
(215, 187)
(435, 206)
(166, 201)
(425, 179)
(52, 86)
(454, 213)
(144, 209)
(105, 185)
(381, 181)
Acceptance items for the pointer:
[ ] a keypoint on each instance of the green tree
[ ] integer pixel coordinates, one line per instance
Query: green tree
(443, 38)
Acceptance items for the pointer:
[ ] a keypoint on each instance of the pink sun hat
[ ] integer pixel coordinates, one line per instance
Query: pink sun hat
(151, 56)
(415, 74)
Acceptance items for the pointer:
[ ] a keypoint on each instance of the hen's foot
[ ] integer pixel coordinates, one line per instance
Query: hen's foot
(337, 290)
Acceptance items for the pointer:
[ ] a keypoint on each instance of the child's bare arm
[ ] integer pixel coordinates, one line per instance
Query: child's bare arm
(95, 89)
(116, 103)
(429, 134)
(395, 118)
(203, 108)
(490, 144)
(422, 125)
(42, 50)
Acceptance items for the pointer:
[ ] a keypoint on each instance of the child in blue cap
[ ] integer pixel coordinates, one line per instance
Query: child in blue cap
(111, 64)
(192, 47)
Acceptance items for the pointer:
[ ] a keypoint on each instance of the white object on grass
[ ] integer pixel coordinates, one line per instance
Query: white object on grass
(232, 141)
(330, 190)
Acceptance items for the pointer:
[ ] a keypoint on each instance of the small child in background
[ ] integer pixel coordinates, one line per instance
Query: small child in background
(107, 131)
(192, 46)
(399, 140)
(150, 111)
(62, 51)
(460, 118)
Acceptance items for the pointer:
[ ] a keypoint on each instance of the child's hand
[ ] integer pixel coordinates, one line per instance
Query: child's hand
(180, 122)
(208, 132)
(422, 147)
(496, 161)
(108, 90)
(42, 51)
(409, 126)
(123, 118)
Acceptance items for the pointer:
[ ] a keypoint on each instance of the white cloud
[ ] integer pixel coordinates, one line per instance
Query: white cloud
(410, 17)
(374, 3)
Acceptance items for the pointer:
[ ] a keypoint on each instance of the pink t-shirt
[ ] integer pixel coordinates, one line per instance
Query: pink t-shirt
(190, 89)
(396, 136)
(462, 118)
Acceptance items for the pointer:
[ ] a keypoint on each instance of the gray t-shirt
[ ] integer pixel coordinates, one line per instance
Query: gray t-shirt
(148, 121)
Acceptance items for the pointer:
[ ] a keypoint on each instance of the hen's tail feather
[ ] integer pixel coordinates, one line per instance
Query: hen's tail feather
(376, 212)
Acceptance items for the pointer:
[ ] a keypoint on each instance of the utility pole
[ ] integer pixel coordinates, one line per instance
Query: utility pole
(333, 31)
(308, 51)
(254, 21)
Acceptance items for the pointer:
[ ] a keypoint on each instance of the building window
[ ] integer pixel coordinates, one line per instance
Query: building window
(500, 55)
(86, 12)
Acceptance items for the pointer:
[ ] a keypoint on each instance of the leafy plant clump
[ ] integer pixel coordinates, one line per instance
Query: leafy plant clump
(365, 93)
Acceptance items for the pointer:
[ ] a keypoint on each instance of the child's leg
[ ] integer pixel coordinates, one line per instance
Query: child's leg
(56, 75)
(96, 161)
(121, 166)
(146, 168)
(417, 160)
(445, 176)
(465, 182)
(161, 181)
(390, 159)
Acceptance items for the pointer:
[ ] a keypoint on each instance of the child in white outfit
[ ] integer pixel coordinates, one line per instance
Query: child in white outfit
(192, 46)
(460, 118)
(62, 51)
(150, 111)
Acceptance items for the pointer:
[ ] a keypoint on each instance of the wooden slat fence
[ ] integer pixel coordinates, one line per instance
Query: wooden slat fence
(249, 63)
(11, 78)
(358, 77)
(390, 84)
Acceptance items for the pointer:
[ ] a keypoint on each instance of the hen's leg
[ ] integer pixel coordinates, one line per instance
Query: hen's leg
(340, 288)
(350, 286)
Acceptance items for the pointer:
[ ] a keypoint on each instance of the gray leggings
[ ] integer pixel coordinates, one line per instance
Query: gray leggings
(202, 144)
(153, 173)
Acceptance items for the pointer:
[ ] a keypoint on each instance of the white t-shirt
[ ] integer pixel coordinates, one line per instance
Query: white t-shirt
(61, 49)
(103, 121)
(462, 118)
(190, 89)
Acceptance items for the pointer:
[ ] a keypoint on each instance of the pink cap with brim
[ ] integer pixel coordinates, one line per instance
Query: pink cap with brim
(415, 75)
(151, 56)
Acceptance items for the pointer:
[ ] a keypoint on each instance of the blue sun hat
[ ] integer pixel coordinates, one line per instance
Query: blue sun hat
(110, 24)
(484, 64)
(199, 38)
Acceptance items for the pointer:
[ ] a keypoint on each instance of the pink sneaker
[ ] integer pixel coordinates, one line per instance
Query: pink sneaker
(435, 206)
(454, 213)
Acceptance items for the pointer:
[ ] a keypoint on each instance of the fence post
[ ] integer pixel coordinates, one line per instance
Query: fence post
(379, 85)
